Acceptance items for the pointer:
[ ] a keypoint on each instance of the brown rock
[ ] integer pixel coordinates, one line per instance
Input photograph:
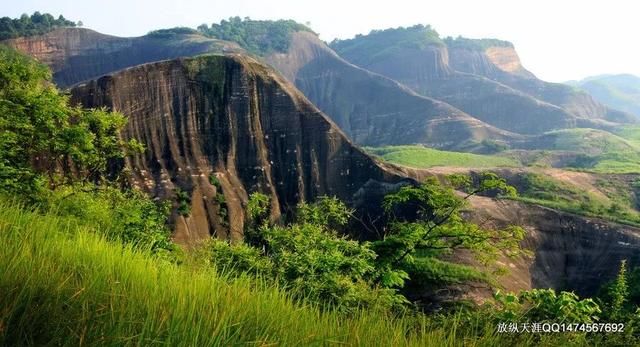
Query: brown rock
(234, 118)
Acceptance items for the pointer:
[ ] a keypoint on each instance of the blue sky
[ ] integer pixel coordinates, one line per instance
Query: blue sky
(557, 39)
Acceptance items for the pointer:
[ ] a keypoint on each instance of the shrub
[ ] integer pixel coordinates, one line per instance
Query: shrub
(129, 216)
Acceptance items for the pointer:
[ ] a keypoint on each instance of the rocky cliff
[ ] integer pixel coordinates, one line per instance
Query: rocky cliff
(373, 109)
(221, 127)
(569, 252)
(77, 54)
(484, 78)
(502, 64)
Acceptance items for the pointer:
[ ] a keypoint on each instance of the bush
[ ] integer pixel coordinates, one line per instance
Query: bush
(128, 216)
(307, 257)
(545, 305)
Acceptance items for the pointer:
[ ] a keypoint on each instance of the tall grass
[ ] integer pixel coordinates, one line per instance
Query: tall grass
(61, 284)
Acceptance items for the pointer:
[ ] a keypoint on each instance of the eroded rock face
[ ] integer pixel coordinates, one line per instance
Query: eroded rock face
(374, 110)
(234, 119)
(570, 252)
(487, 82)
(77, 54)
(503, 65)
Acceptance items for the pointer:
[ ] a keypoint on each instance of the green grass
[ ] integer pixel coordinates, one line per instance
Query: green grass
(631, 133)
(422, 157)
(61, 284)
(589, 141)
(617, 207)
(597, 151)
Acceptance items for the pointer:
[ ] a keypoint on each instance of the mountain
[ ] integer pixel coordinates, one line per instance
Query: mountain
(373, 110)
(484, 78)
(499, 61)
(78, 54)
(618, 91)
(220, 127)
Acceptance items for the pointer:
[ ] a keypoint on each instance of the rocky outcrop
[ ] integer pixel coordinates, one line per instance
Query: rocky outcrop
(77, 54)
(569, 252)
(374, 110)
(221, 127)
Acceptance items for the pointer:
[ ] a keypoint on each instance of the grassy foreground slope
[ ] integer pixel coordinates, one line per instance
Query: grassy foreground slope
(63, 284)
(423, 157)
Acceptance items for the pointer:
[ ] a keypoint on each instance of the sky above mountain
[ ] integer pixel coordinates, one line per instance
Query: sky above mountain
(557, 40)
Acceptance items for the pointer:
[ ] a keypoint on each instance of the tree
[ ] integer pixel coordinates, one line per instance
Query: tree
(36, 24)
(427, 219)
(43, 138)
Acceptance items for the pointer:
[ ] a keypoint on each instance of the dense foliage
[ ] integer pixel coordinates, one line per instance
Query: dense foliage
(475, 44)
(43, 138)
(309, 256)
(260, 37)
(171, 32)
(364, 49)
(26, 25)
(67, 160)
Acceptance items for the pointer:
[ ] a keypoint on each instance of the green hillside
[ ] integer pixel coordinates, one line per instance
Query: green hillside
(423, 157)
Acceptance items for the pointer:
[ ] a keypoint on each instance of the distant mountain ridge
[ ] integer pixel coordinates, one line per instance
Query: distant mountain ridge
(620, 91)
(476, 75)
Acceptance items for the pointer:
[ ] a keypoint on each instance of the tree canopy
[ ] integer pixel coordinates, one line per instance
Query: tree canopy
(36, 24)
(260, 37)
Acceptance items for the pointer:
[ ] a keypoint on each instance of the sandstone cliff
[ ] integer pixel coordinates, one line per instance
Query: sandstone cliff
(502, 64)
(372, 109)
(484, 78)
(221, 127)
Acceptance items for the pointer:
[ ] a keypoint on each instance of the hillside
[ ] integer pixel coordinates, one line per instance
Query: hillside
(484, 78)
(206, 187)
(618, 91)
(372, 109)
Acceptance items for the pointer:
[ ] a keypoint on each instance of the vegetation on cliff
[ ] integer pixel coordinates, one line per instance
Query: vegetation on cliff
(36, 24)
(382, 42)
(260, 37)
(475, 44)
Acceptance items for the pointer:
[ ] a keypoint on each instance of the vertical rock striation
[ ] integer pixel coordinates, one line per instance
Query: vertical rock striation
(221, 127)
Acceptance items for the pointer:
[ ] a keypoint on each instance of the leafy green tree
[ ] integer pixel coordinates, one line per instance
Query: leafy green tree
(308, 256)
(36, 24)
(258, 37)
(428, 219)
(43, 138)
(545, 305)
